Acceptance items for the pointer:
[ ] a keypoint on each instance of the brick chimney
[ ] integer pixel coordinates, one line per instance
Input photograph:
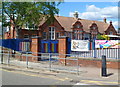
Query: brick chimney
(105, 20)
(110, 22)
(76, 14)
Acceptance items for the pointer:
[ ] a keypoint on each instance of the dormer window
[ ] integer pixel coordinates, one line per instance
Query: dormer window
(93, 27)
(111, 33)
(77, 34)
(77, 26)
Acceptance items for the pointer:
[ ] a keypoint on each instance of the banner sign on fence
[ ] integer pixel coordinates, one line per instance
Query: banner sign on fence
(107, 44)
(80, 45)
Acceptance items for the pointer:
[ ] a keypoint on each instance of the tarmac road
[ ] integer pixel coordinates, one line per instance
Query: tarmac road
(11, 77)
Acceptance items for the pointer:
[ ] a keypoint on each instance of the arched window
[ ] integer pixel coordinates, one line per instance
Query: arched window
(77, 26)
(93, 27)
(77, 34)
(111, 33)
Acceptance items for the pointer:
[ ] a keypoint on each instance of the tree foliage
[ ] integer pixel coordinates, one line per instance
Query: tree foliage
(102, 37)
(28, 12)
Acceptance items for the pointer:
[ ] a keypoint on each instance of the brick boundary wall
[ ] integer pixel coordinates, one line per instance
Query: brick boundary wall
(114, 64)
(30, 58)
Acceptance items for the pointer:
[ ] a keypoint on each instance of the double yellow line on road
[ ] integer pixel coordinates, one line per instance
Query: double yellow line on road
(36, 75)
(99, 82)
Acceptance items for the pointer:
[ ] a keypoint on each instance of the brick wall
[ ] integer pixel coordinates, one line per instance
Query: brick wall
(35, 47)
(23, 57)
(94, 63)
(45, 28)
(62, 49)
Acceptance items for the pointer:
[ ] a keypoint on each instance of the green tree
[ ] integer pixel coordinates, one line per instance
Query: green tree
(102, 37)
(32, 13)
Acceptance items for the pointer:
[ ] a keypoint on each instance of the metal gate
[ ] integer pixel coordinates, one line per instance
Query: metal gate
(49, 46)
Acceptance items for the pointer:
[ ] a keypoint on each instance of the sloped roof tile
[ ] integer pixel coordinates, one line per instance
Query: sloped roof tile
(67, 22)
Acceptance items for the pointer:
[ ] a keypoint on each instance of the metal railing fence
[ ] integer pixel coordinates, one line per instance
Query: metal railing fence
(49, 61)
(110, 53)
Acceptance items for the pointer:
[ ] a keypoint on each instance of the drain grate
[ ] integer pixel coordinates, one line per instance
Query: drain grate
(74, 81)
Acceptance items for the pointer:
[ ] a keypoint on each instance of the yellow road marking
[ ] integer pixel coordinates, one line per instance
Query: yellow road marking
(50, 77)
(99, 81)
(53, 86)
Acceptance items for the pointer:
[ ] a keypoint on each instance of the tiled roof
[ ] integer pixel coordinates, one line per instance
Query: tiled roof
(67, 22)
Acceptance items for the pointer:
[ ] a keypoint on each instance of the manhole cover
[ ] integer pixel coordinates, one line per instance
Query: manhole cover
(74, 81)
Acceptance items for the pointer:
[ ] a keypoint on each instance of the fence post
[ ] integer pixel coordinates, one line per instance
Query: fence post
(2, 52)
(8, 57)
(104, 72)
(1, 56)
(49, 61)
(95, 53)
(77, 66)
(27, 59)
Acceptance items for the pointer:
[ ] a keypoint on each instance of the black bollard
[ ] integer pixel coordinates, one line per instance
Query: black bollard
(104, 71)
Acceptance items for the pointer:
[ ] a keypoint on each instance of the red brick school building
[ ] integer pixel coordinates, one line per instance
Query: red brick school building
(73, 27)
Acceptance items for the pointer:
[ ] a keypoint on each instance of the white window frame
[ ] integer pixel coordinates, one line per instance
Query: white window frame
(52, 33)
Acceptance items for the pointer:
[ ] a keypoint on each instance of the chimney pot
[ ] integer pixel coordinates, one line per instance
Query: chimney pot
(105, 20)
(76, 14)
(110, 22)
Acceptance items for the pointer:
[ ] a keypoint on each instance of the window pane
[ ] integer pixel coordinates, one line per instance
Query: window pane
(44, 35)
(26, 36)
(53, 29)
(34, 35)
(111, 32)
(49, 28)
(57, 35)
(80, 31)
(51, 33)
(94, 27)
(78, 26)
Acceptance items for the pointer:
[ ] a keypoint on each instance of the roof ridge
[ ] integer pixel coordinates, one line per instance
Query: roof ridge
(82, 19)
